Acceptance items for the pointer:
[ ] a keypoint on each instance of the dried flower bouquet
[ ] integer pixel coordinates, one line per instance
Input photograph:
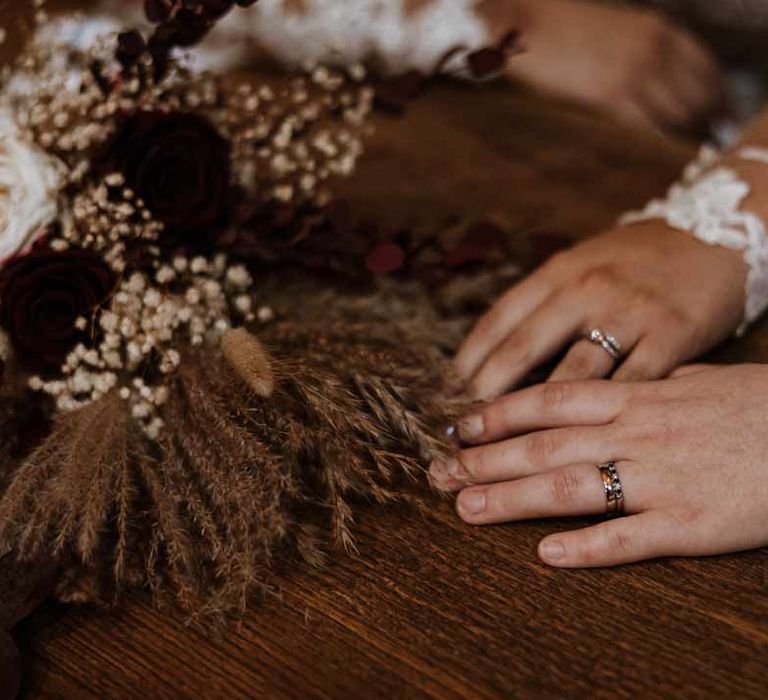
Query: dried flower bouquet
(161, 426)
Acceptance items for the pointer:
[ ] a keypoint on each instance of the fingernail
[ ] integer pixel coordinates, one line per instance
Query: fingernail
(472, 427)
(454, 385)
(445, 468)
(437, 469)
(552, 550)
(472, 501)
(454, 469)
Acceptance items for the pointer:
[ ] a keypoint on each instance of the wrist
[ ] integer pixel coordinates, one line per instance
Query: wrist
(719, 274)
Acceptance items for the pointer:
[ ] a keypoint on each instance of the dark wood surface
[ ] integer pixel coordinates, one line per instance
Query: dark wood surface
(432, 607)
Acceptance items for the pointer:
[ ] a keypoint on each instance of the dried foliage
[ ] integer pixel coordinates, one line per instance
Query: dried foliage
(239, 482)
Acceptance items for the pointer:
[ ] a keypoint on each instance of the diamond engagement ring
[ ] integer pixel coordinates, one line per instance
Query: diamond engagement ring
(605, 341)
(614, 492)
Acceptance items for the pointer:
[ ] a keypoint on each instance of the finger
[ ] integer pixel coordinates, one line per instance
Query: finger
(499, 321)
(588, 360)
(696, 74)
(700, 97)
(535, 340)
(654, 357)
(533, 454)
(665, 103)
(552, 405)
(520, 457)
(685, 370)
(634, 112)
(572, 490)
(696, 57)
(645, 536)
(584, 360)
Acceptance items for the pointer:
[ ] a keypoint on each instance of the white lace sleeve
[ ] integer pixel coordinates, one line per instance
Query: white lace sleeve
(348, 31)
(707, 203)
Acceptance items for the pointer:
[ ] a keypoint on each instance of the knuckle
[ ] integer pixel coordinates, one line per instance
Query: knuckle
(688, 516)
(620, 541)
(558, 263)
(553, 396)
(600, 280)
(539, 448)
(475, 463)
(566, 486)
(641, 297)
(676, 317)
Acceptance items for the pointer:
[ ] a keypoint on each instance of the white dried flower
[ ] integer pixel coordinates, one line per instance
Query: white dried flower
(238, 276)
(29, 185)
(265, 314)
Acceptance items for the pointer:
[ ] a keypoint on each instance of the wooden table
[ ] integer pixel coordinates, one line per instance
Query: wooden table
(432, 607)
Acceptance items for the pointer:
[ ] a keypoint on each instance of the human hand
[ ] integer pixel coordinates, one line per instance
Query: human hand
(690, 452)
(633, 63)
(664, 295)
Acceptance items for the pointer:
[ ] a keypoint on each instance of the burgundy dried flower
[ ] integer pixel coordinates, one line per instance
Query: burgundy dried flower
(130, 45)
(180, 166)
(481, 242)
(385, 258)
(42, 295)
(490, 61)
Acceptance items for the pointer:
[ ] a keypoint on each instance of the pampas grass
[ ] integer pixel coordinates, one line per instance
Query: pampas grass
(269, 445)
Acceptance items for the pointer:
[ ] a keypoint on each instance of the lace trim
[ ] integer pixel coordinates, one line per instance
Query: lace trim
(354, 30)
(707, 204)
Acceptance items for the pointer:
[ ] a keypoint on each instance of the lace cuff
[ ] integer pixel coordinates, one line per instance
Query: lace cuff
(707, 204)
(354, 30)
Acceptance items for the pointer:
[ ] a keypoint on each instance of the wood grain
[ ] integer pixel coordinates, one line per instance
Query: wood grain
(433, 608)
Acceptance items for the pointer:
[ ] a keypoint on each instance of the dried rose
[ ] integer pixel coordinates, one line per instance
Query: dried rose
(179, 165)
(42, 295)
(29, 183)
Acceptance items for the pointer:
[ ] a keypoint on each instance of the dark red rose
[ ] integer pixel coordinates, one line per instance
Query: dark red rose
(41, 296)
(179, 165)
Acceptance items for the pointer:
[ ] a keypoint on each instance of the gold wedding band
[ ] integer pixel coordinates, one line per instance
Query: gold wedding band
(614, 492)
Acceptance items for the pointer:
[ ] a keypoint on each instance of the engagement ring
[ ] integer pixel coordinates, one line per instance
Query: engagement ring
(605, 341)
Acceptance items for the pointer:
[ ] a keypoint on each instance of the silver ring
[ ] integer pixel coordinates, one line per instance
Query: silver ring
(606, 341)
(614, 491)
